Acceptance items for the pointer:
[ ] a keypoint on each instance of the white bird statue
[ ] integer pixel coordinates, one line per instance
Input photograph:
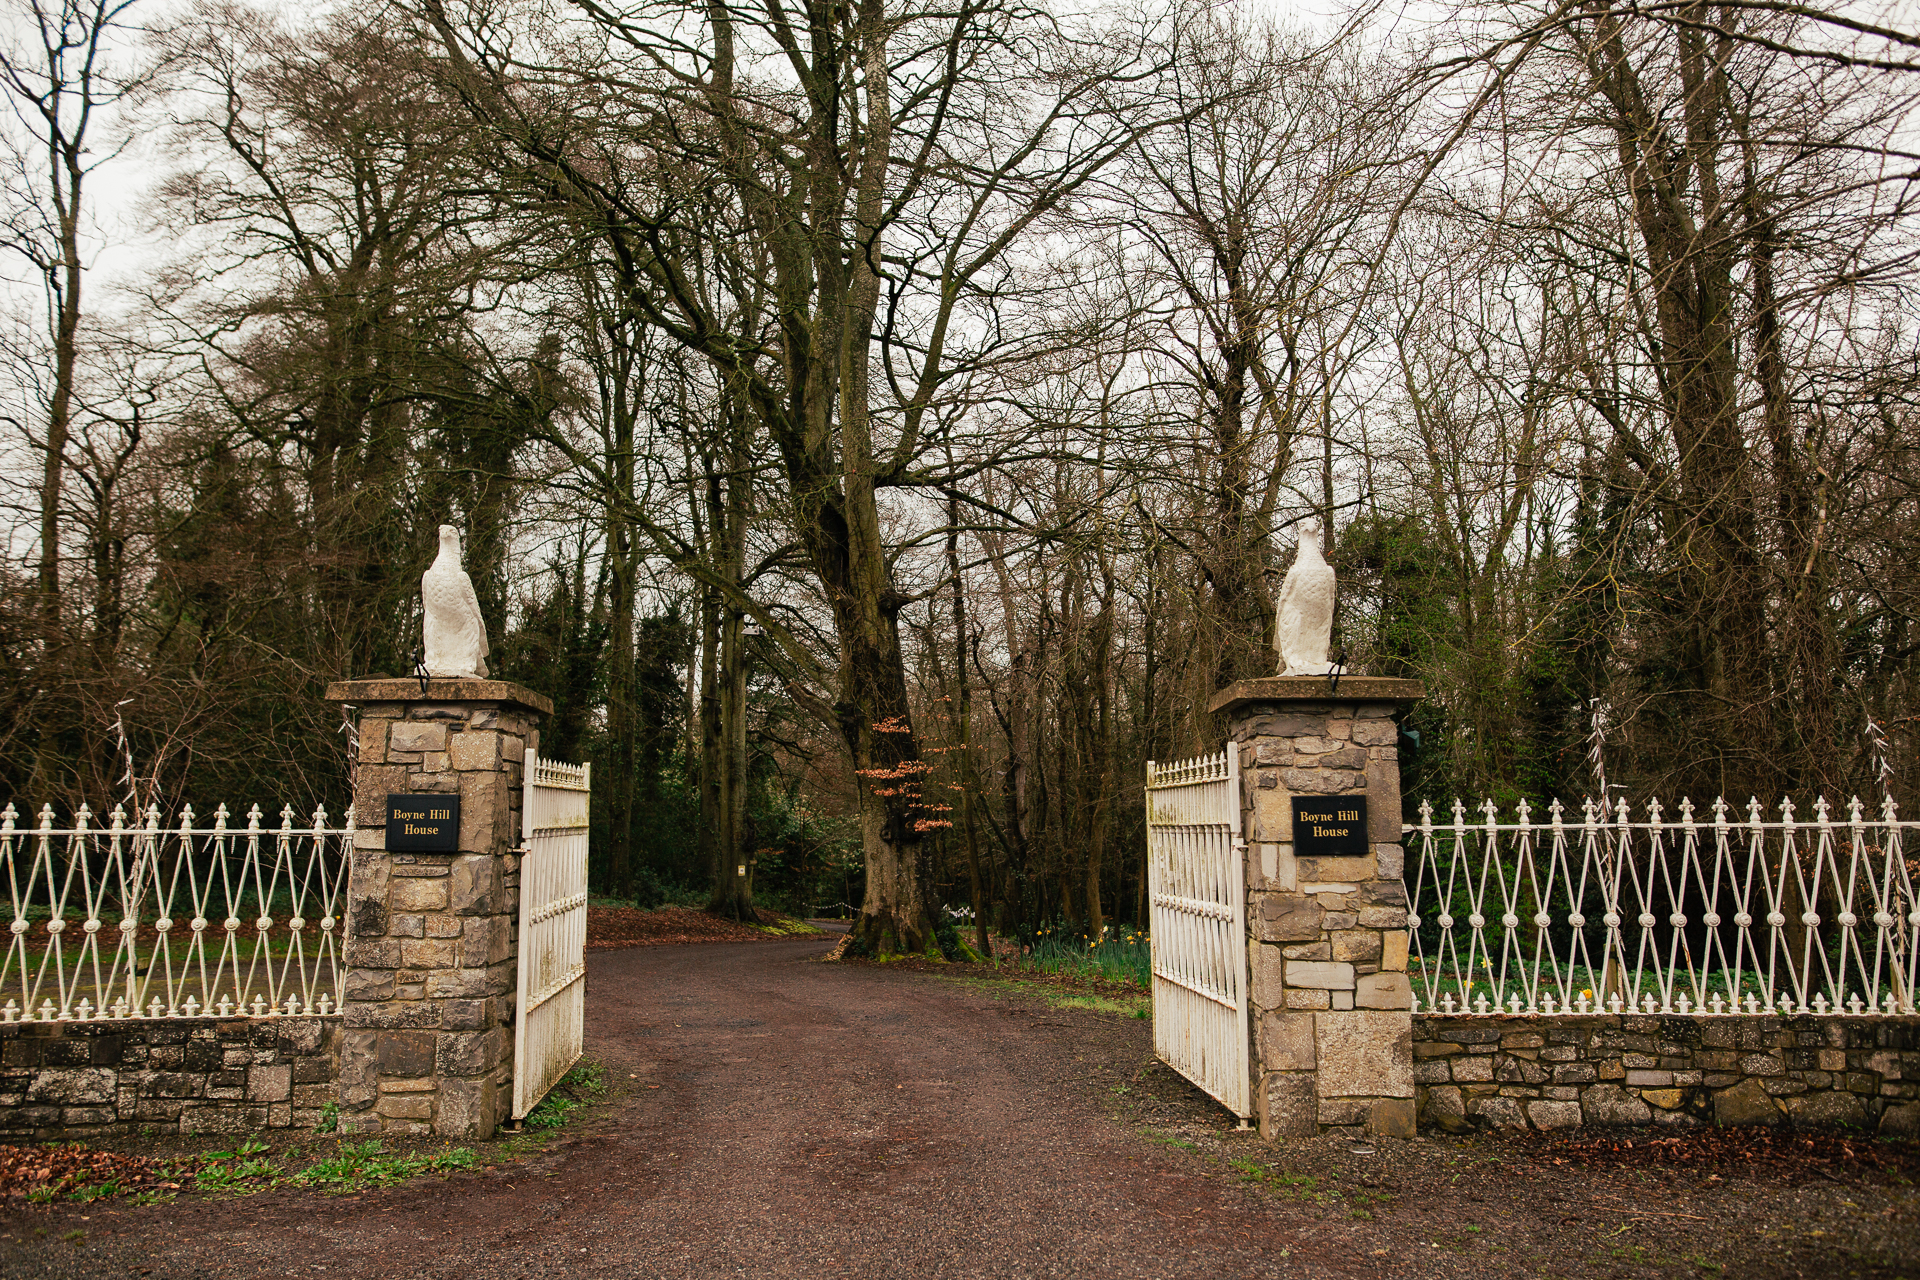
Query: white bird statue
(1303, 620)
(453, 633)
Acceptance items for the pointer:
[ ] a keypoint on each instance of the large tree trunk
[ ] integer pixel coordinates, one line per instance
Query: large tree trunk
(1687, 225)
(963, 727)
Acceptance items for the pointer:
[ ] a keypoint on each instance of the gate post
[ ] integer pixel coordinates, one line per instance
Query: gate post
(430, 939)
(1332, 1024)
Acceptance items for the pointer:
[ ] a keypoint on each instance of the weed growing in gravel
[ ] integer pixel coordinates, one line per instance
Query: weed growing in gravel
(1304, 1186)
(367, 1164)
(587, 1081)
(1099, 1004)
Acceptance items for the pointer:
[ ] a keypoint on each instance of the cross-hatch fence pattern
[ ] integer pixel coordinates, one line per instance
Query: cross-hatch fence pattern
(1674, 912)
(134, 919)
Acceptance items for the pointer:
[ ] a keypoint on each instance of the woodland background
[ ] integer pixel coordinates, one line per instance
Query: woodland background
(879, 428)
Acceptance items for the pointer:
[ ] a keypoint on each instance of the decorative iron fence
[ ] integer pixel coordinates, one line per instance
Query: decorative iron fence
(139, 920)
(1759, 914)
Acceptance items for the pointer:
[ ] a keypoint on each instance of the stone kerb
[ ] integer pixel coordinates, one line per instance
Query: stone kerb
(1331, 1019)
(428, 1001)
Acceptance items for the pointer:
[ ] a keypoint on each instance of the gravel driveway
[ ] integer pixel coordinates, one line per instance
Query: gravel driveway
(776, 1117)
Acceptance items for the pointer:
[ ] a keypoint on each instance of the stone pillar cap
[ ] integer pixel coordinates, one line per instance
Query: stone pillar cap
(439, 689)
(1317, 689)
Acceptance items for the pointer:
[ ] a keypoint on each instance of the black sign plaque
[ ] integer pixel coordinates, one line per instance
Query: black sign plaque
(423, 824)
(1329, 826)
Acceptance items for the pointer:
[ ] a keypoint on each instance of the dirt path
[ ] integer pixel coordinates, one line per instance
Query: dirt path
(776, 1117)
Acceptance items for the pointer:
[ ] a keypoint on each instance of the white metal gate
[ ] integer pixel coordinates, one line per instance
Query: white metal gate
(1196, 876)
(550, 1013)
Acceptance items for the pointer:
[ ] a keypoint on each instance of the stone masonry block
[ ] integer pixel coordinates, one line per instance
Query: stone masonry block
(429, 953)
(458, 984)
(474, 933)
(1392, 1118)
(1326, 975)
(389, 1015)
(467, 1053)
(367, 887)
(1275, 867)
(372, 784)
(474, 886)
(1287, 917)
(1271, 817)
(1375, 733)
(483, 813)
(1327, 782)
(1383, 801)
(418, 894)
(1390, 860)
(469, 1015)
(406, 1106)
(467, 1109)
(1364, 1054)
(270, 1084)
(414, 735)
(475, 749)
(299, 1036)
(1356, 945)
(1288, 1107)
(407, 1053)
(1554, 1115)
(1270, 752)
(372, 953)
(74, 1086)
(1287, 1042)
(359, 1069)
(1383, 991)
(1267, 966)
(1288, 725)
(369, 984)
(1393, 950)
(1325, 869)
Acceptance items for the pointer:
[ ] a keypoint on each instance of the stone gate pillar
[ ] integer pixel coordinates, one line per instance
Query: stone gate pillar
(428, 1000)
(1331, 1021)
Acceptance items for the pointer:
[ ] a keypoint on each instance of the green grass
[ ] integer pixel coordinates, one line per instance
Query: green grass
(1123, 955)
(583, 1084)
(1101, 1004)
(357, 1166)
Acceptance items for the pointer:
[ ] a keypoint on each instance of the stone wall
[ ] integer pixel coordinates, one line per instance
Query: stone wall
(207, 1075)
(431, 948)
(1327, 944)
(1666, 1071)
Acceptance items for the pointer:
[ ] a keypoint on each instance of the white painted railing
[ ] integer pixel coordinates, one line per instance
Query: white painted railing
(139, 920)
(1675, 912)
(1196, 880)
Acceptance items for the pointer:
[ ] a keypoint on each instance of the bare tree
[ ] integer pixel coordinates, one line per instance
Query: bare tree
(60, 77)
